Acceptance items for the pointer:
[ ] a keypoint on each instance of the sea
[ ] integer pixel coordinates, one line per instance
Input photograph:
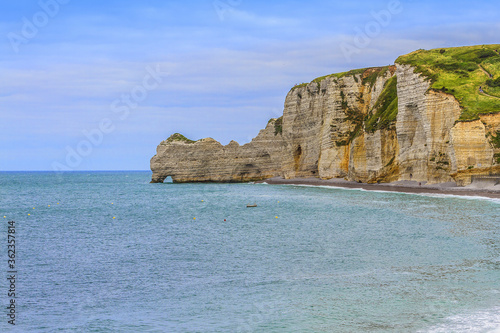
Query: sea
(110, 252)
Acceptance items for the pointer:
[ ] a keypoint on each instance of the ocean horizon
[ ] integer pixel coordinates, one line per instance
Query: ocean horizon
(102, 251)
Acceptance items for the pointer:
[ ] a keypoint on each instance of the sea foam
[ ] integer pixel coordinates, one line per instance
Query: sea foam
(480, 321)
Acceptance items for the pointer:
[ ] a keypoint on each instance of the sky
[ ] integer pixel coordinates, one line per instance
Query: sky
(97, 85)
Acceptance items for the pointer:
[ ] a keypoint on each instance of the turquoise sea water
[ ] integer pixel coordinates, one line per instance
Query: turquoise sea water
(333, 260)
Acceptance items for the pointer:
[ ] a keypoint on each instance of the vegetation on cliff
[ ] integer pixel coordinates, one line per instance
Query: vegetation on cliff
(493, 83)
(179, 137)
(495, 139)
(469, 73)
(278, 126)
(368, 75)
(385, 110)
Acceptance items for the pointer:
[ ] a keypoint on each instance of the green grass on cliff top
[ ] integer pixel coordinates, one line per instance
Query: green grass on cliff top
(461, 71)
(375, 72)
(179, 137)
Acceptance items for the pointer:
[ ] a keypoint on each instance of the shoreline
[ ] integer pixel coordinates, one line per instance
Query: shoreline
(399, 186)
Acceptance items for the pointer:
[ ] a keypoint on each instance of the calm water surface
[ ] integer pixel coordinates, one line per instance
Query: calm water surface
(114, 253)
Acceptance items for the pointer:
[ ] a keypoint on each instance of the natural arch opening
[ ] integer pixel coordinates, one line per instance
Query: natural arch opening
(168, 180)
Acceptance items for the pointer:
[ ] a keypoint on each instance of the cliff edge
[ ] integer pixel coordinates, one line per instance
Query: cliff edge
(433, 116)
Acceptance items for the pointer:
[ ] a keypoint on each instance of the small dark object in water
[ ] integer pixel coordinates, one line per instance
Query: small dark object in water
(254, 205)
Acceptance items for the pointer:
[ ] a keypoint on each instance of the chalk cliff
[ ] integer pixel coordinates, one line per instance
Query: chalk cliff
(371, 125)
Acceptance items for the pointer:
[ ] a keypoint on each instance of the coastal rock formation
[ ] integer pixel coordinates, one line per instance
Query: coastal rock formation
(373, 125)
(425, 119)
(473, 152)
(207, 160)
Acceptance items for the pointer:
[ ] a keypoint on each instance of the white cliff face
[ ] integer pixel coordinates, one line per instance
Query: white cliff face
(302, 119)
(324, 118)
(470, 145)
(433, 145)
(324, 135)
(423, 126)
(474, 153)
(208, 161)
(373, 157)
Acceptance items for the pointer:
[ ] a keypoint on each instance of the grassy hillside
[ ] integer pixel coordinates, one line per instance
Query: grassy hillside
(461, 71)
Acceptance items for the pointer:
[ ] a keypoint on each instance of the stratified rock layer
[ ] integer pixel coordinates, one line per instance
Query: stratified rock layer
(207, 160)
(323, 133)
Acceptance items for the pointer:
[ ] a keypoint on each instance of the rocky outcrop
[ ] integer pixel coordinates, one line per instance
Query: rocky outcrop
(207, 160)
(373, 125)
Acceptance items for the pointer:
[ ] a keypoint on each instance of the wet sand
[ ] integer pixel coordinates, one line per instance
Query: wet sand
(399, 186)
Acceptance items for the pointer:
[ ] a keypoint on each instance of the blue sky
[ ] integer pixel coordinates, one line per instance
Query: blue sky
(225, 67)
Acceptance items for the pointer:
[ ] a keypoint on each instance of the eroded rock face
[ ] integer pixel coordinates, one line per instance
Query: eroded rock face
(323, 133)
(208, 161)
(373, 157)
(321, 121)
(425, 119)
(474, 153)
